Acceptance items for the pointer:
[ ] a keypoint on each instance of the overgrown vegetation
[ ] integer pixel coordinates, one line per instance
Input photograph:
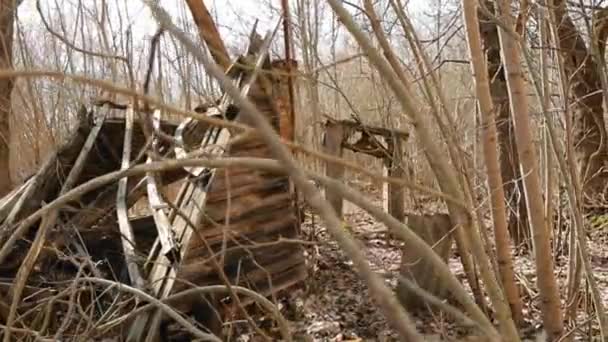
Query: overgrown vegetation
(285, 170)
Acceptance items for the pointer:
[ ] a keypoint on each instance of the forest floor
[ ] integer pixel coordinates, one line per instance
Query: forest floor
(335, 304)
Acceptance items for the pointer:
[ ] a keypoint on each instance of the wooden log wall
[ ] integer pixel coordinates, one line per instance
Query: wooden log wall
(247, 214)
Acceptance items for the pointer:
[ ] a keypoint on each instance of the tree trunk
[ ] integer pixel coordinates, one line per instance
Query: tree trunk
(589, 131)
(509, 161)
(490, 149)
(6, 88)
(547, 285)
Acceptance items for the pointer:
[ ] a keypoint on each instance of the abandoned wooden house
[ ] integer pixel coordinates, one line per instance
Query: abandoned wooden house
(230, 224)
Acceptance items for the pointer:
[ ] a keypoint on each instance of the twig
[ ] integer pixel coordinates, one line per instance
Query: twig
(9, 201)
(403, 232)
(208, 32)
(155, 41)
(70, 44)
(445, 173)
(157, 303)
(434, 300)
(395, 313)
(48, 221)
(73, 289)
(112, 177)
(224, 278)
(215, 135)
(264, 302)
(10, 73)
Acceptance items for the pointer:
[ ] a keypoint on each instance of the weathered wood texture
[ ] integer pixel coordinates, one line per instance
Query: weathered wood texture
(246, 207)
(394, 195)
(104, 158)
(332, 145)
(247, 212)
(98, 208)
(435, 229)
(251, 210)
(379, 142)
(281, 93)
(7, 19)
(208, 32)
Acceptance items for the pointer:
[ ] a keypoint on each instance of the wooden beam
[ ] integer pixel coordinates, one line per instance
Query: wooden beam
(394, 196)
(209, 33)
(332, 144)
(282, 97)
(383, 131)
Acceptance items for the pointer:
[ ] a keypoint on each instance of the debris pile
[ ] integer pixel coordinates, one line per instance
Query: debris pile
(73, 263)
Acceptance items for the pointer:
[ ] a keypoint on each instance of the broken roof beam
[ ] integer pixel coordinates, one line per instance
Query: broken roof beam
(209, 33)
(156, 203)
(285, 104)
(127, 236)
(383, 131)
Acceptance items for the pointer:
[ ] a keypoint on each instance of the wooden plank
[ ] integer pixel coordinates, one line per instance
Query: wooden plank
(126, 231)
(248, 206)
(157, 204)
(247, 272)
(394, 195)
(332, 145)
(208, 32)
(247, 235)
(162, 275)
(287, 124)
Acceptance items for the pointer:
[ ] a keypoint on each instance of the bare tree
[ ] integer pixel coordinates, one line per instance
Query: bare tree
(7, 15)
(511, 55)
(584, 65)
(490, 147)
(509, 160)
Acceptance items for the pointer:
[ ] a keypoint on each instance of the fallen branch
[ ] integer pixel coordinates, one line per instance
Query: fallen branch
(157, 303)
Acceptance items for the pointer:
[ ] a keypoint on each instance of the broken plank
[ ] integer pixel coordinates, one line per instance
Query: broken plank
(127, 236)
